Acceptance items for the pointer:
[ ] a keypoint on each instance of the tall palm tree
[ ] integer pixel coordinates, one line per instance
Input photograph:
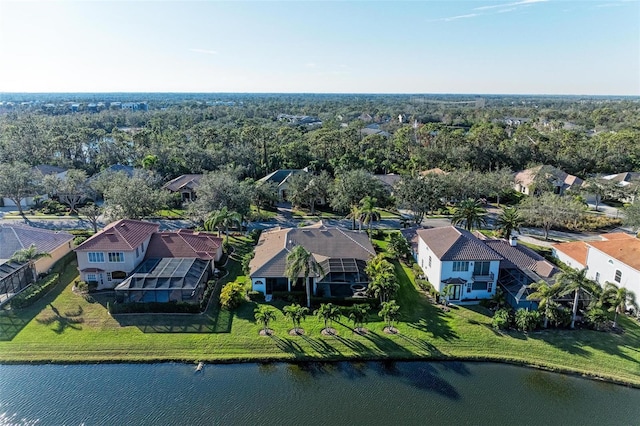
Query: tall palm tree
(328, 312)
(296, 314)
(470, 213)
(545, 294)
(382, 279)
(354, 214)
(368, 212)
(29, 255)
(619, 298)
(509, 221)
(265, 314)
(299, 260)
(575, 281)
(220, 219)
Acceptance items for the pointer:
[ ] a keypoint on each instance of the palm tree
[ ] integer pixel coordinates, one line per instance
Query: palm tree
(354, 214)
(508, 221)
(328, 312)
(222, 218)
(390, 312)
(299, 260)
(368, 212)
(619, 298)
(575, 281)
(265, 314)
(296, 314)
(358, 315)
(29, 255)
(382, 278)
(545, 294)
(470, 213)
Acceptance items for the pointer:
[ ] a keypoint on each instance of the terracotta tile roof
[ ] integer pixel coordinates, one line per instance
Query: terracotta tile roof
(528, 176)
(617, 236)
(625, 250)
(577, 250)
(450, 243)
(183, 182)
(323, 242)
(522, 258)
(184, 243)
(14, 237)
(125, 234)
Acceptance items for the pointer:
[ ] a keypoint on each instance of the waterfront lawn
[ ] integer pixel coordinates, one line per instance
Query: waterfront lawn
(65, 327)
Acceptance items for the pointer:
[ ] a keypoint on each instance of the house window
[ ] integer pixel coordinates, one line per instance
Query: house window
(618, 276)
(96, 257)
(108, 276)
(429, 261)
(490, 287)
(481, 268)
(598, 277)
(468, 287)
(480, 286)
(116, 257)
(92, 277)
(137, 253)
(460, 266)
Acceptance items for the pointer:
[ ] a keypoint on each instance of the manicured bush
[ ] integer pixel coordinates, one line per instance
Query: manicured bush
(526, 320)
(255, 296)
(232, 295)
(154, 307)
(596, 318)
(34, 292)
(502, 319)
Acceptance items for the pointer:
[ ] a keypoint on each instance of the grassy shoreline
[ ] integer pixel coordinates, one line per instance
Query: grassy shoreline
(64, 327)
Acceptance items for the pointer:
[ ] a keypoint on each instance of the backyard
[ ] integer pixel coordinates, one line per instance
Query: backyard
(66, 327)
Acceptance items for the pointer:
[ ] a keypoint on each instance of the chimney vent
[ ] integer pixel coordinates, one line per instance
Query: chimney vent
(513, 241)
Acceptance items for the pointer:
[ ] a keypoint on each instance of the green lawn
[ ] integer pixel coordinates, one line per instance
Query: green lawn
(64, 327)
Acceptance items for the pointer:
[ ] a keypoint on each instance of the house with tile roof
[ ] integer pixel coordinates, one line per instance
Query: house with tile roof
(615, 258)
(185, 185)
(39, 172)
(145, 265)
(14, 237)
(342, 255)
(109, 256)
(560, 181)
(454, 257)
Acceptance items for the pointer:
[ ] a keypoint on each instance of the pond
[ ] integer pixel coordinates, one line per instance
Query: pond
(315, 393)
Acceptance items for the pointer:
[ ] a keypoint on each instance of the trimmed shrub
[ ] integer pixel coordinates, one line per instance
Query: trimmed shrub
(502, 319)
(232, 295)
(255, 296)
(527, 320)
(34, 292)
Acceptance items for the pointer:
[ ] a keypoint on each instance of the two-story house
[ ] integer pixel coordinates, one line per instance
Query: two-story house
(455, 260)
(109, 256)
(615, 259)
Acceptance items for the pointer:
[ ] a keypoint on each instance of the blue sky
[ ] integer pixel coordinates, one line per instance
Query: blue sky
(520, 46)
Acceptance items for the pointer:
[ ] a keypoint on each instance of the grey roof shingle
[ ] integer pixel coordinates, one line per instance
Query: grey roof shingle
(450, 243)
(14, 237)
(190, 182)
(522, 258)
(323, 242)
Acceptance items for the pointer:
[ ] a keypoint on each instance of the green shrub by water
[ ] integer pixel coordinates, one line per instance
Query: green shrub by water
(34, 292)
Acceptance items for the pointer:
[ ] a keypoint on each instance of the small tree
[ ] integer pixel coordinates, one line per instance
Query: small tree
(470, 213)
(232, 295)
(265, 314)
(545, 294)
(296, 314)
(399, 246)
(358, 314)
(92, 213)
(390, 312)
(328, 312)
(618, 298)
(509, 221)
(30, 255)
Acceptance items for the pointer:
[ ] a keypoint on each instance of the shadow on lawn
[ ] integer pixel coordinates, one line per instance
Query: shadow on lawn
(434, 322)
(62, 321)
(12, 321)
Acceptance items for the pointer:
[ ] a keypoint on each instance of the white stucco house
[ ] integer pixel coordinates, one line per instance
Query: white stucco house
(615, 258)
(455, 257)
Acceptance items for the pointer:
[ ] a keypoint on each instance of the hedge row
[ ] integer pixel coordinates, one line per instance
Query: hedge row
(34, 292)
(155, 307)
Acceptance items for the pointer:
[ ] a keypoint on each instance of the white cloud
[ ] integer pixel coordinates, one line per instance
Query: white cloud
(205, 51)
(517, 3)
(455, 18)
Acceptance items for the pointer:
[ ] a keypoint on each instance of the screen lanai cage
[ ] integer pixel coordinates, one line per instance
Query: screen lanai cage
(166, 280)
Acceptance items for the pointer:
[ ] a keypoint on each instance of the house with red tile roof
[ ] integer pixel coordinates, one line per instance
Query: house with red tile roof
(614, 258)
(109, 256)
(145, 265)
